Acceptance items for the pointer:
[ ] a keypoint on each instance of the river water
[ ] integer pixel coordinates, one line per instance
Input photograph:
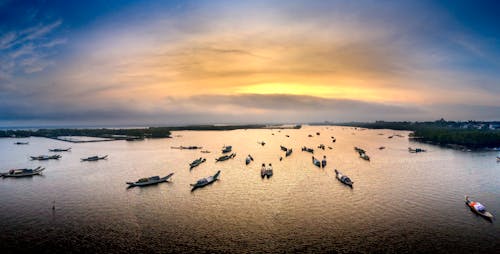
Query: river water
(401, 202)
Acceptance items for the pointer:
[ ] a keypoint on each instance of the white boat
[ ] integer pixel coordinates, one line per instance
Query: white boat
(150, 180)
(23, 172)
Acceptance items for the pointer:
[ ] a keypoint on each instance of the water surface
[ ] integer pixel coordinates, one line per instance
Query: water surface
(401, 202)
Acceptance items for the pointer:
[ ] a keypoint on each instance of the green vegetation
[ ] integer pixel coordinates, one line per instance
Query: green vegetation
(151, 132)
(471, 134)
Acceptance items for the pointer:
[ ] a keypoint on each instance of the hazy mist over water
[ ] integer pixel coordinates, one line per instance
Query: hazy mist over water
(401, 202)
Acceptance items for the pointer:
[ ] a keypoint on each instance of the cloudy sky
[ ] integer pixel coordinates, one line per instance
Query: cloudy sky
(192, 62)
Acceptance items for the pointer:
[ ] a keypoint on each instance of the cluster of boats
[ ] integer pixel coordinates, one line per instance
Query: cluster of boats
(288, 151)
(306, 149)
(319, 164)
(362, 153)
(266, 172)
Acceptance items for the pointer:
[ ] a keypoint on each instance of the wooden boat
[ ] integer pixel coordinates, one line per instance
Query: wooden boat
(478, 208)
(364, 156)
(263, 172)
(310, 135)
(269, 171)
(205, 151)
(381, 148)
(225, 157)
(21, 143)
(343, 179)
(359, 150)
(46, 157)
(287, 136)
(227, 149)
(186, 147)
(323, 162)
(248, 159)
(205, 181)
(288, 152)
(95, 158)
(23, 172)
(321, 146)
(284, 149)
(305, 149)
(317, 133)
(60, 150)
(316, 162)
(196, 163)
(416, 150)
(330, 147)
(262, 143)
(150, 180)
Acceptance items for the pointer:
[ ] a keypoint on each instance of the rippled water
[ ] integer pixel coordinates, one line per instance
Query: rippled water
(401, 202)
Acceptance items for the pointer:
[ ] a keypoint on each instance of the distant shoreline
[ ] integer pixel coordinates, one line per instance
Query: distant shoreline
(130, 134)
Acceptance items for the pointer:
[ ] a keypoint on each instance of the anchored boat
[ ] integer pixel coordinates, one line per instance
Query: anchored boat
(205, 181)
(478, 208)
(95, 158)
(150, 180)
(46, 157)
(196, 163)
(23, 172)
(343, 179)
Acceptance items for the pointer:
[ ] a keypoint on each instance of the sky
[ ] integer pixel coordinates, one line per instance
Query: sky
(202, 62)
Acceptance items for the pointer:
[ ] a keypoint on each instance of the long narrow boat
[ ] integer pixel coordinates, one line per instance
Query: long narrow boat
(284, 149)
(343, 179)
(60, 150)
(94, 158)
(225, 157)
(478, 208)
(150, 180)
(248, 159)
(263, 172)
(323, 162)
(205, 181)
(196, 163)
(306, 149)
(46, 157)
(316, 162)
(416, 150)
(21, 143)
(23, 172)
(364, 156)
(288, 152)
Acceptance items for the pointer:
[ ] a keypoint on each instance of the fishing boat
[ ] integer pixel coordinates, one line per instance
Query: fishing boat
(196, 163)
(287, 136)
(359, 150)
(269, 171)
(262, 143)
(364, 156)
(316, 162)
(205, 151)
(321, 146)
(343, 179)
(225, 157)
(23, 172)
(310, 135)
(150, 181)
(186, 147)
(416, 150)
(309, 150)
(381, 148)
(248, 159)
(205, 181)
(323, 162)
(498, 158)
(317, 133)
(263, 171)
(94, 158)
(330, 147)
(283, 148)
(21, 143)
(60, 150)
(288, 152)
(46, 157)
(478, 208)
(227, 149)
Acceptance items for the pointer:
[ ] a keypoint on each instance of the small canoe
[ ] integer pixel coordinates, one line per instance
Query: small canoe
(263, 172)
(60, 150)
(46, 157)
(227, 149)
(288, 152)
(364, 156)
(205, 151)
(94, 158)
(309, 150)
(21, 143)
(196, 163)
(225, 157)
(478, 208)
(23, 172)
(284, 149)
(381, 148)
(416, 150)
(343, 179)
(205, 181)
(248, 159)
(323, 162)
(262, 143)
(316, 162)
(150, 181)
